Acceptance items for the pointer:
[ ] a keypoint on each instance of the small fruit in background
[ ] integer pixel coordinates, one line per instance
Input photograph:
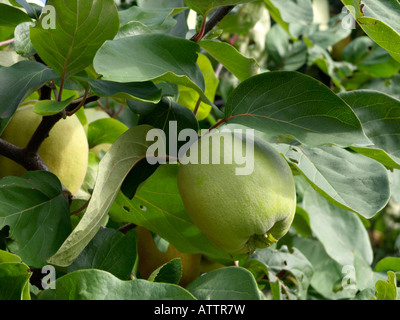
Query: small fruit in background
(337, 49)
(151, 258)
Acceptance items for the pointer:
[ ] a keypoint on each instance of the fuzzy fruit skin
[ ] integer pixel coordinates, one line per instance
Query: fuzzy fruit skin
(65, 151)
(239, 213)
(151, 258)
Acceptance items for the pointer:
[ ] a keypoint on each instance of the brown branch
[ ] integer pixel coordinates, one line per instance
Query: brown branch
(45, 93)
(219, 14)
(42, 132)
(80, 209)
(196, 108)
(48, 122)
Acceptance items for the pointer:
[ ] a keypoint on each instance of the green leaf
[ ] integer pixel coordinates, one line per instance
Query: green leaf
(123, 155)
(151, 57)
(20, 80)
(379, 115)
(141, 91)
(239, 65)
(329, 278)
(6, 256)
(22, 41)
(282, 53)
(90, 177)
(111, 251)
(14, 281)
(383, 35)
(142, 171)
(51, 107)
(32, 9)
(205, 6)
(388, 264)
(347, 179)
(100, 285)
(170, 272)
(390, 86)
(358, 49)
(10, 17)
(327, 38)
(172, 118)
(276, 290)
(106, 130)
(365, 276)
(290, 12)
(394, 177)
(188, 97)
(339, 71)
(36, 211)
(153, 18)
(387, 290)
(133, 28)
(389, 161)
(14, 277)
(81, 28)
(294, 105)
(244, 21)
(379, 20)
(371, 58)
(292, 261)
(341, 232)
(366, 294)
(301, 222)
(157, 206)
(229, 283)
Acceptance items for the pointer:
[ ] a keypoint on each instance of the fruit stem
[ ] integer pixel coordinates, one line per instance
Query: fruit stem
(260, 241)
